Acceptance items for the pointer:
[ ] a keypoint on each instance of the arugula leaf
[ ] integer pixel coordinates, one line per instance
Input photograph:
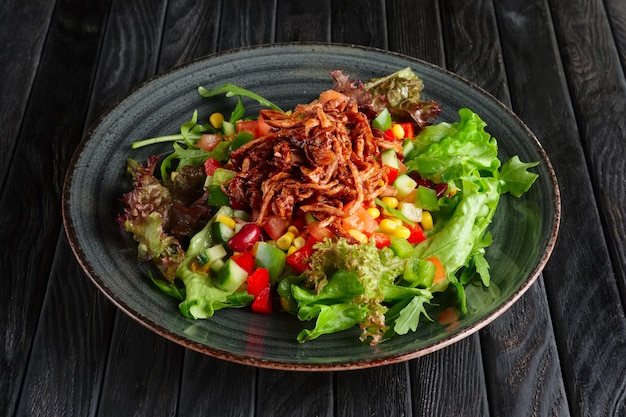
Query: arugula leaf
(410, 315)
(232, 90)
(515, 178)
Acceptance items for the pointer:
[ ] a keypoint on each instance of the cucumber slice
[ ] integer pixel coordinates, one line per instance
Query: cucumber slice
(389, 157)
(232, 276)
(405, 185)
(221, 232)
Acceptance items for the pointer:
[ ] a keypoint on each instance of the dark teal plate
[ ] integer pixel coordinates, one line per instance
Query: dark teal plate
(524, 229)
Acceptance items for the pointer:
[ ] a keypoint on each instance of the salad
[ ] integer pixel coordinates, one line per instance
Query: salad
(355, 209)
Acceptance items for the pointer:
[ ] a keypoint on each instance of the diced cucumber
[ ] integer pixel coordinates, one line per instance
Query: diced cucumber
(407, 147)
(217, 265)
(382, 121)
(232, 276)
(221, 232)
(405, 185)
(229, 129)
(216, 252)
(389, 157)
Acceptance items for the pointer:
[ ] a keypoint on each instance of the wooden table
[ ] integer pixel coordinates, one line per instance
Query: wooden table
(560, 351)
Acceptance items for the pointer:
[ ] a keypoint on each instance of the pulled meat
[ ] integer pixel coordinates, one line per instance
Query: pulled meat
(322, 159)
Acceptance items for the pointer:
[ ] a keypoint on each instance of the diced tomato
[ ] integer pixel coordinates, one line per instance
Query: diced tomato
(210, 165)
(389, 135)
(361, 220)
(417, 234)
(245, 260)
(209, 141)
(258, 281)
(263, 128)
(381, 240)
(448, 316)
(250, 126)
(319, 232)
(392, 174)
(299, 260)
(275, 226)
(409, 130)
(263, 302)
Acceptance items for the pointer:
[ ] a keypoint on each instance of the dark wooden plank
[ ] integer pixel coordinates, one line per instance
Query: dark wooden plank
(423, 40)
(474, 51)
(580, 280)
(142, 372)
(616, 12)
(191, 31)
(381, 391)
(246, 23)
(298, 21)
(296, 394)
(449, 382)
(213, 387)
(30, 201)
(359, 22)
(596, 76)
(69, 351)
(23, 28)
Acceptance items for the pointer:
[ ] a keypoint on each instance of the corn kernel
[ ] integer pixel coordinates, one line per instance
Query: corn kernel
(216, 120)
(387, 226)
(402, 231)
(293, 229)
(452, 191)
(374, 212)
(398, 131)
(291, 249)
(391, 202)
(427, 220)
(285, 241)
(228, 221)
(358, 235)
(299, 242)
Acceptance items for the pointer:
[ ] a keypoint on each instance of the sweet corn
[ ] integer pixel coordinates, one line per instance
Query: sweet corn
(391, 202)
(284, 242)
(402, 231)
(293, 229)
(358, 235)
(397, 220)
(388, 226)
(228, 221)
(374, 212)
(216, 120)
(291, 249)
(299, 242)
(427, 220)
(398, 131)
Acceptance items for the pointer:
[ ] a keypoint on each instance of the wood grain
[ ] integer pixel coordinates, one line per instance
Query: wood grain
(297, 21)
(278, 392)
(579, 279)
(25, 26)
(31, 196)
(359, 22)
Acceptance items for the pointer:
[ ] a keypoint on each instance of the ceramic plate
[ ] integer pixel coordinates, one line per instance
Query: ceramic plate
(524, 229)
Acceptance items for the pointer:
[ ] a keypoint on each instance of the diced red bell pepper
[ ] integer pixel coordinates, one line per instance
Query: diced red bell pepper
(392, 174)
(263, 302)
(381, 240)
(258, 281)
(210, 165)
(245, 260)
(417, 234)
(409, 130)
(299, 260)
(389, 135)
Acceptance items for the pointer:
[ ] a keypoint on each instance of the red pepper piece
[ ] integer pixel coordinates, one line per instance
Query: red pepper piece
(263, 303)
(392, 174)
(417, 234)
(389, 135)
(409, 131)
(299, 260)
(258, 281)
(381, 240)
(245, 260)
